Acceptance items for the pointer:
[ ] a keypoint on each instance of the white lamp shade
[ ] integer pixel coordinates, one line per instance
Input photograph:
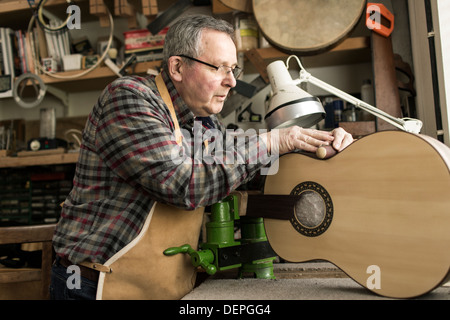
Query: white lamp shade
(290, 105)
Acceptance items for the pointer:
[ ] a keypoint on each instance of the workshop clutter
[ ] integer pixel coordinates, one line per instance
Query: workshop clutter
(27, 197)
(144, 45)
(58, 51)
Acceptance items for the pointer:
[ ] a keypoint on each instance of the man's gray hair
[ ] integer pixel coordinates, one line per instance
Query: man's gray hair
(183, 37)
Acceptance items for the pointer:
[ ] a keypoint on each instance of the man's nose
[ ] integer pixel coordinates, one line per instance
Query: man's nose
(230, 80)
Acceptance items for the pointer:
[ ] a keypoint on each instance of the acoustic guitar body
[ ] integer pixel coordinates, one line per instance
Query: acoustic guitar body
(380, 211)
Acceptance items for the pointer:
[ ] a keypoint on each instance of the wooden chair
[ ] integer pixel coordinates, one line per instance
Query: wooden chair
(19, 283)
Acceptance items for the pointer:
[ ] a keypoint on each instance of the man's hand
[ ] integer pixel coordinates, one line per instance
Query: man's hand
(297, 138)
(342, 139)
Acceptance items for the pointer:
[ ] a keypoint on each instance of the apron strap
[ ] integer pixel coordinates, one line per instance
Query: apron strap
(168, 101)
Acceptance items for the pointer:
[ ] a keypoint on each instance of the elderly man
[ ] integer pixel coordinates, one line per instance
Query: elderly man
(126, 161)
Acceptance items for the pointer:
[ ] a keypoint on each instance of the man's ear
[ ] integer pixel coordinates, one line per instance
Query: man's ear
(175, 66)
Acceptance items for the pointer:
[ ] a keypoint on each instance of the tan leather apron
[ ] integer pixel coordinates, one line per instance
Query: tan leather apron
(140, 270)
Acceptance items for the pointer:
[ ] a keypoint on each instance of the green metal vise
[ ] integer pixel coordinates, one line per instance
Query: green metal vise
(221, 251)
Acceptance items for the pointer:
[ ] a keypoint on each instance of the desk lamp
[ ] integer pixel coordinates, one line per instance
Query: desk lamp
(290, 105)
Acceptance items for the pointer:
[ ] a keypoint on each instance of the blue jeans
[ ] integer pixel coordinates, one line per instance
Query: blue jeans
(60, 290)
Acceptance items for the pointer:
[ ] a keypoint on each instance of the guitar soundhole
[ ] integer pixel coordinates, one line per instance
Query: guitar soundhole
(313, 212)
(310, 209)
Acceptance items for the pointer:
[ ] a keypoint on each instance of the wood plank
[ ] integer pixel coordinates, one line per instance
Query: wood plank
(359, 128)
(25, 234)
(338, 55)
(219, 8)
(64, 158)
(357, 43)
(46, 267)
(258, 62)
(94, 80)
(351, 50)
(15, 5)
(387, 96)
(4, 153)
(39, 153)
(240, 5)
(149, 8)
(8, 275)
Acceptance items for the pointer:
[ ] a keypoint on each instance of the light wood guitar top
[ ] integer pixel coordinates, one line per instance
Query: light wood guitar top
(389, 225)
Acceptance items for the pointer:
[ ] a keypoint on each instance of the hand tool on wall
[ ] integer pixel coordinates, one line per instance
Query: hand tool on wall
(387, 98)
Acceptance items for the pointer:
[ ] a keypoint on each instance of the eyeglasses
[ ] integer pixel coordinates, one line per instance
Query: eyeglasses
(224, 69)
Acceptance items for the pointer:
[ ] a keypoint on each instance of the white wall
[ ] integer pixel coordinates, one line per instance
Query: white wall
(422, 64)
(80, 104)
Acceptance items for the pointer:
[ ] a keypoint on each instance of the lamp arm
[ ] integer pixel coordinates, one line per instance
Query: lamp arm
(399, 123)
(406, 124)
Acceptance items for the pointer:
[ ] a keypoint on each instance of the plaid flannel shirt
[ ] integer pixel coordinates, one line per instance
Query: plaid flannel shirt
(125, 166)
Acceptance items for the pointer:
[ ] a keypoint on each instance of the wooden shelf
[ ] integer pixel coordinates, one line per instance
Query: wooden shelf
(11, 275)
(8, 6)
(350, 51)
(12, 12)
(16, 14)
(62, 158)
(97, 79)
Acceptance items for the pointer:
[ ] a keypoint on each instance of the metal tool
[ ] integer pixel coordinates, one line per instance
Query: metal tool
(221, 251)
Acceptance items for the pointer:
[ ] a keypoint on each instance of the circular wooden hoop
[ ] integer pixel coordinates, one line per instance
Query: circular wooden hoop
(305, 26)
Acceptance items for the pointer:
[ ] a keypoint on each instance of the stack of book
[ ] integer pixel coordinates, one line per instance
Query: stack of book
(20, 50)
(58, 44)
(144, 45)
(7, 71)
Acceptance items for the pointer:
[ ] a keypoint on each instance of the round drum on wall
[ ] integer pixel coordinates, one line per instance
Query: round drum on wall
(305, 26)
(241, 5)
